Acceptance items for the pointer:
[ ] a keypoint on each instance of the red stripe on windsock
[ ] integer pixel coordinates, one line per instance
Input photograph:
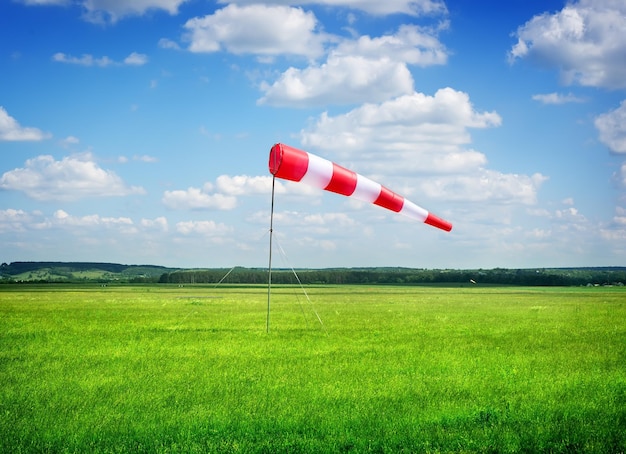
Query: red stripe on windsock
(343, 181)
(288, 163)
(389, 199)
(435, 221)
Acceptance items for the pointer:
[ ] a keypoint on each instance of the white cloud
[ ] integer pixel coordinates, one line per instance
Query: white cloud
(612, 128)
(74, 177)
(572, 217)
(420, 135)
(84, 60)
(341, 80)
(298, 218)
(411, 44)
(426, 127)
(93, 220)
(14, 220)
(256, 29)
(204, 228)
(134, 59)
(326, 223)
(244, 185)
(145, 158)
(586, 41)
(620, 216)
(45, 2)
(366, 69)
(328, 220)
(105, 11)
(10, 129)
(375, 7)
(197, 199)
(69, 141)
(557, 98)
(224, 198)
(120, 239)
(165, 43)
(484, 185)
(622, 175)
(159, 223)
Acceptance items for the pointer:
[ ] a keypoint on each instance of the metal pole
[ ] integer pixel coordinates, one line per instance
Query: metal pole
(269, 268)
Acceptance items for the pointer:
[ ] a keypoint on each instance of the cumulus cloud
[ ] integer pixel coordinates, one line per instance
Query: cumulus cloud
(61, 217)
(425, 136)
(145, 158)
(71, 178)
(586, 41)
(223, 196)
(257, 29)
(314, 223)
(620, 217)
(110, 11)
(415, 123)
(134, 59)
(411, 7)
(69, 141)
(244, 185)
(366, 69)
(622, 175)
(203, 228)
(14, 220)
(10, 129)
(45, 2)
(165, 43)
(341, 80)
(355, 70)
(612, 128)
(198, 199)
(411, 44)
(159, 223)
(557, 98)
(485, 185)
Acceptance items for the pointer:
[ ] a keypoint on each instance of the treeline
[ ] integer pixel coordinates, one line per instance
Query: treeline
(84, 272)
(403, 276)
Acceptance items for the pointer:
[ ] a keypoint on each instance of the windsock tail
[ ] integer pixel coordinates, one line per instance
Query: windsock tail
(436, 221)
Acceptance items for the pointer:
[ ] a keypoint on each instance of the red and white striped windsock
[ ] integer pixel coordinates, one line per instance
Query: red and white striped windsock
(296, 165)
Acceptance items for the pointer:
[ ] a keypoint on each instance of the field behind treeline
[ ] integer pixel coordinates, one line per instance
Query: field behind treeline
(175, 369)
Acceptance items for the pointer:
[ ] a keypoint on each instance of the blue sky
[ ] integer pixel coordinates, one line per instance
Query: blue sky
(139, 132)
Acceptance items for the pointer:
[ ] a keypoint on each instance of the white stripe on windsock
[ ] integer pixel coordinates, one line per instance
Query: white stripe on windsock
(319, 172)
(366, 189)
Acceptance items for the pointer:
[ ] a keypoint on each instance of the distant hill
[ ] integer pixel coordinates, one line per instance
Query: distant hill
(80, 272)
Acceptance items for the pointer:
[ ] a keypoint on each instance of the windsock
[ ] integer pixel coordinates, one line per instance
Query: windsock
(292, 164)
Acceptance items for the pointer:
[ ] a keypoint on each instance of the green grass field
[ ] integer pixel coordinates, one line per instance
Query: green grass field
(391, 369)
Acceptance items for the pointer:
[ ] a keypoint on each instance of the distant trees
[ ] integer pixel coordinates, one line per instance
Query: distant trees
(403, 276)
(80, 272)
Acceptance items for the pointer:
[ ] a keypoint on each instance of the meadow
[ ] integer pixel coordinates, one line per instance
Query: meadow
(169, 369)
